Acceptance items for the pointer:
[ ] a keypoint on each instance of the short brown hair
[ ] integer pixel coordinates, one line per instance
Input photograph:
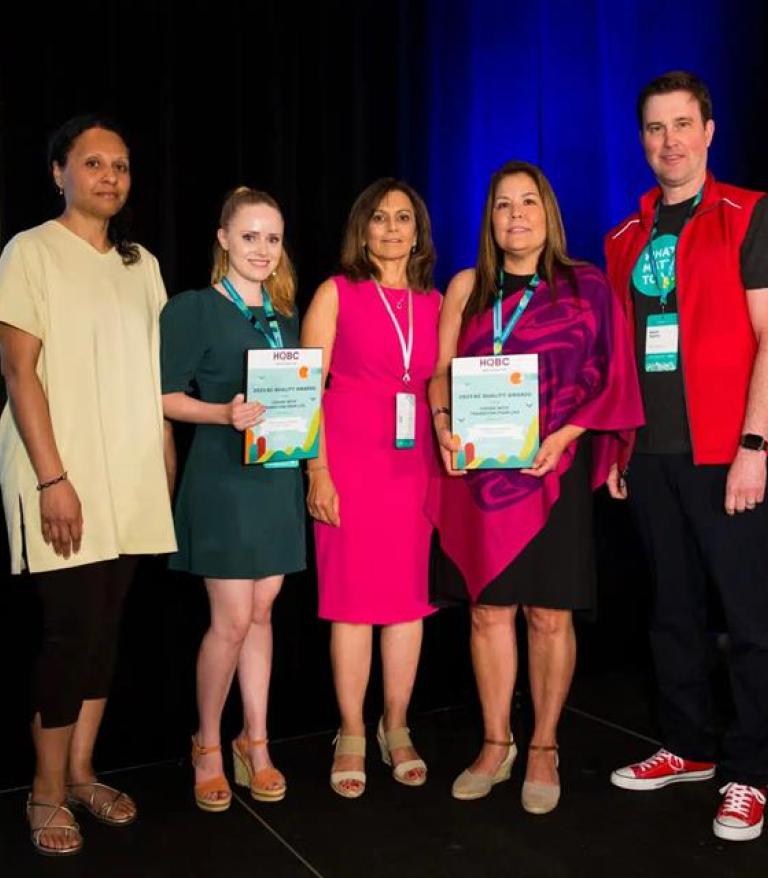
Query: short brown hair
(490, 258)
(281, 286)
(676, 80)
(355, 263)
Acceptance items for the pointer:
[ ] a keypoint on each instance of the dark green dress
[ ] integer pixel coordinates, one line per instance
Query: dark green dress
(232, 521)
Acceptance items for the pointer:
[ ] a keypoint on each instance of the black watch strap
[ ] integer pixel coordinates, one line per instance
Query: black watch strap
(753, 441)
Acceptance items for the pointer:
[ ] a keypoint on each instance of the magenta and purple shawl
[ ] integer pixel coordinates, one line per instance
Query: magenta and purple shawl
(587, 377)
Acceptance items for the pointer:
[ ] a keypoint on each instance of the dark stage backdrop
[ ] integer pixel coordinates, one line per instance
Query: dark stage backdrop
(312, 102)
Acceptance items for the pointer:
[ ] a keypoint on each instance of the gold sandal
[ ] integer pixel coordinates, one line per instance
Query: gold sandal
(72, 827)
(216, 784)
(102, 810)
(393, 740)
(348, 745)
(266, 784)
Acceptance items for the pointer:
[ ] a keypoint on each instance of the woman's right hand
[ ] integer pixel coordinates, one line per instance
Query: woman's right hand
(61, 518)
(448, 445)
(241, 414)
(322, 499)
(617, 486)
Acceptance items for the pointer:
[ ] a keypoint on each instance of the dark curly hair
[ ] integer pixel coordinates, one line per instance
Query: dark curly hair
(60, 145)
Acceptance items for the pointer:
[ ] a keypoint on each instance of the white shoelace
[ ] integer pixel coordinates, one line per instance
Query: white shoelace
(738, 798)
(659, 758)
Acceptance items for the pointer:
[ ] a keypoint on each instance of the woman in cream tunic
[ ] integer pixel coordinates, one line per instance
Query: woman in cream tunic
(81, 457)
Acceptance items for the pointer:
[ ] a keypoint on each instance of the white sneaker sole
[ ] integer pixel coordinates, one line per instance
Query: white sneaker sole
(636, 783)
(737, 833)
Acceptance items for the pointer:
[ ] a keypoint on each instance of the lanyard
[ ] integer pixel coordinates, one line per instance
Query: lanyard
(274, 337)
(405, 347)
(499, 335)
(666, 283)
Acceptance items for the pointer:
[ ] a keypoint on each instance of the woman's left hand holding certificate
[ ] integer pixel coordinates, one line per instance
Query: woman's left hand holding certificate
(242, 415)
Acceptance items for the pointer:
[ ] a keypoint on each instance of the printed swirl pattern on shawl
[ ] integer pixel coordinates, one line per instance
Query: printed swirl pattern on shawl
(587, 377)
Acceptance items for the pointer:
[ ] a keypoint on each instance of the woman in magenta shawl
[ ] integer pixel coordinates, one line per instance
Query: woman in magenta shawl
(510, 538)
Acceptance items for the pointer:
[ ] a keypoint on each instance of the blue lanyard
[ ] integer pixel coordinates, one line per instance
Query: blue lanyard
(274, 337)
(666, 283)
(499, 335)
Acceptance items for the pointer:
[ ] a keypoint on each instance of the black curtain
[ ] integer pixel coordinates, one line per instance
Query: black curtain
(310, 102)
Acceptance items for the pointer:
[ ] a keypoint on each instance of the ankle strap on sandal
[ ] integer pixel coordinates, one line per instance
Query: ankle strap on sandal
(200, 750)
(545, 747)
(508, 743)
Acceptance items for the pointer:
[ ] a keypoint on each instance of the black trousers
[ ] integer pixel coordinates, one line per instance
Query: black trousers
(690, 540)
(81, 612)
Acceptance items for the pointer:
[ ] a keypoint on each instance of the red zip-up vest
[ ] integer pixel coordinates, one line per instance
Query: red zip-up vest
(717, 341)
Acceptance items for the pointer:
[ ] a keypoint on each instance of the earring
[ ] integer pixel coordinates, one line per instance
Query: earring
(274, 273)
(413, 249)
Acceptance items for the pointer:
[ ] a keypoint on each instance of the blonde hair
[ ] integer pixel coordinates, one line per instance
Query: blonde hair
(281, 285)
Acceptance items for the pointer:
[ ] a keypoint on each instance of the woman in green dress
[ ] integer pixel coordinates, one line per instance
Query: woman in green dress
(239, 527)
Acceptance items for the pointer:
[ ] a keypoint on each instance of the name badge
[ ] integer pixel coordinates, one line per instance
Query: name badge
(661, 342)
(405, 420)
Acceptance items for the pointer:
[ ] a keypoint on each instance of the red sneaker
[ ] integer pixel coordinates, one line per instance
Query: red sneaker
(661, 769)
(740, 815)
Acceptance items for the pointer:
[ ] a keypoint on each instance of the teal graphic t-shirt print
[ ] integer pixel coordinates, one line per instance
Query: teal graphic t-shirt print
(642, 276)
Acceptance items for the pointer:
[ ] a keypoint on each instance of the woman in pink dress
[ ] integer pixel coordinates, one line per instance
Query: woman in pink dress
(377, 325)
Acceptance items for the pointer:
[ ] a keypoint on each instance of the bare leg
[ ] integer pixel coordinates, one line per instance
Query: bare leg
(49, 784)
(400, 649)
(231, 603)
(494, 658)
(552, 658)
(351, 661)
(254, 668)
(80, 768)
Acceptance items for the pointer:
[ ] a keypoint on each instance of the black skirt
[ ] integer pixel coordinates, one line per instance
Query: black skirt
(555, 570)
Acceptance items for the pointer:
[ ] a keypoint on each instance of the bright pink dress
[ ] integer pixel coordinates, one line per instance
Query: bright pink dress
(373, 569)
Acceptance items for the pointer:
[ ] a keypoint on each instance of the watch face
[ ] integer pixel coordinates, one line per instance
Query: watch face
(753, 442)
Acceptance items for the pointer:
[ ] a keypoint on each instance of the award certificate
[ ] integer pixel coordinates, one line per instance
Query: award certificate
(495, 411)
(287, 382)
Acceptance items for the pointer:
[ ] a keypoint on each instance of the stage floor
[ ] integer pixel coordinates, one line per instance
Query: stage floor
(397, 832)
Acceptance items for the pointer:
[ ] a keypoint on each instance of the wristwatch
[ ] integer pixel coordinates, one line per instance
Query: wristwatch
(753, 441)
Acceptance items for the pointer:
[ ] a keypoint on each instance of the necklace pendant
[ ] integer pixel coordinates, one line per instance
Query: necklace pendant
(399, 305)
(406, 378)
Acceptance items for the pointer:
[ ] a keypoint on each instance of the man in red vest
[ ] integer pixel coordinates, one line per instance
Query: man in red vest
(692, 264)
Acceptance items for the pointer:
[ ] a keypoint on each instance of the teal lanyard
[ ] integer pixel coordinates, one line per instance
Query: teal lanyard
(274, 337)
(501, 335)
(666, 283)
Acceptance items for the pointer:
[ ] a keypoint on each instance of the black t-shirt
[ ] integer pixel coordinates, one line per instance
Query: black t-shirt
(666, 429)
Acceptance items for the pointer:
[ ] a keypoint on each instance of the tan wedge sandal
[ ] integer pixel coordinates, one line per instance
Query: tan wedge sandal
(469, 785)
(537, 797)
(393, 740)
(216, 784)
(266, 784)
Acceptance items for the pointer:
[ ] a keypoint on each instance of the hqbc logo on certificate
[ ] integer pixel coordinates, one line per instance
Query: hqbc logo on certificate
(288, 383)
(495, 411)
